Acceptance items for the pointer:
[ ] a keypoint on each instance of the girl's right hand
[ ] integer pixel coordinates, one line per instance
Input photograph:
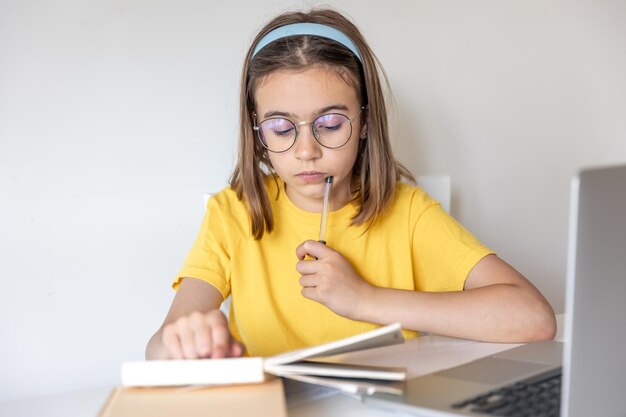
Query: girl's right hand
(200, 335)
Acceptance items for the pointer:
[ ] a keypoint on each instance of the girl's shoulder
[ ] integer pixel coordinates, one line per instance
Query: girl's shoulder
(414, 196)
(227, 215)
(227, 199)
(224, 200)
(411, 202)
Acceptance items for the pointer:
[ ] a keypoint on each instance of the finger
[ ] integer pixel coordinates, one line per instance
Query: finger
(172, 342)
(308, 281)
(301, 250)
(201, 334)
(187, 339)
(219, 333)
(310, 293)
(313, 249)
(307, 267)
(221, 341)
(236, 349)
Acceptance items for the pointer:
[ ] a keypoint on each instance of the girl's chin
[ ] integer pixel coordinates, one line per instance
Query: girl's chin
(308, 191)
(305, 197)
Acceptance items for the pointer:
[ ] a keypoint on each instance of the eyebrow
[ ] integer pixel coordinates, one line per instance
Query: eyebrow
(323, 110)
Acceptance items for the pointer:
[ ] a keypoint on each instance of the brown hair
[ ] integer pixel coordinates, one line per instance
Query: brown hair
(375, 173)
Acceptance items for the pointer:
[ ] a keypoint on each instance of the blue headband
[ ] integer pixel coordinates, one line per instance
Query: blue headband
(314, 29)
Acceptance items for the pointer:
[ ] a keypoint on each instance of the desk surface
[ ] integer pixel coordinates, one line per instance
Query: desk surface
(421, 356)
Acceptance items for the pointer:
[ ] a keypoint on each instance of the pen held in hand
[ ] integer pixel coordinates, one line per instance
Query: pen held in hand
(325, 208)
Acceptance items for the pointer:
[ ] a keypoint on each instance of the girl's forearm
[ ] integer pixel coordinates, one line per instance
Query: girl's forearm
(495, 313)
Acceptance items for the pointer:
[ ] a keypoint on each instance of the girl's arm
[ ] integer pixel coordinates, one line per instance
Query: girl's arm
(497, 305)
(194, 326)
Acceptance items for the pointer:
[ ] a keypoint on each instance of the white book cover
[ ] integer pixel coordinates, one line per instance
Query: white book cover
(253, 369)
(193, 372)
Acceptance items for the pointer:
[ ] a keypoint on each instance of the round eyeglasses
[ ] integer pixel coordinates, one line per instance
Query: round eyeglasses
(331, 130)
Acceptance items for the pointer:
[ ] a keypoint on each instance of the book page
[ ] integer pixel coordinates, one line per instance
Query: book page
(384, 336)
(354, 386)
(338, 370)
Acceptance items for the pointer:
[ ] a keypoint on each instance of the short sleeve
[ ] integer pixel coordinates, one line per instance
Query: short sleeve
(209, 258)
(444, 252)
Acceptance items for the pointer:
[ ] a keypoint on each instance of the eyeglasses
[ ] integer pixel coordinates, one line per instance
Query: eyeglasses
(331, 130)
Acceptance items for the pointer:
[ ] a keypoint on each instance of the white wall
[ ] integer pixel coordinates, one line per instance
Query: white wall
(115, 117)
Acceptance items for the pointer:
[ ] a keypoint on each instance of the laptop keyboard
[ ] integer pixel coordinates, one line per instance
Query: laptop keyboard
(539, 396)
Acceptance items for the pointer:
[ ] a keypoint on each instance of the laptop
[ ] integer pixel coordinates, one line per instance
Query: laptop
(585, 376)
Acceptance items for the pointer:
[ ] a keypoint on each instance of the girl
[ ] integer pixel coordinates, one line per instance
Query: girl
(312, 107)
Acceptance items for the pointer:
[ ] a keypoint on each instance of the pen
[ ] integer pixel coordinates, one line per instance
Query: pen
(329, 184)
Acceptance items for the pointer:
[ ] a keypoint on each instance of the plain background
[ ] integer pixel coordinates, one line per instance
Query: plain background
(115, 117)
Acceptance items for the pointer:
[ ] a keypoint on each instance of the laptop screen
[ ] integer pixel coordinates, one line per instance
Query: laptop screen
(594, 372)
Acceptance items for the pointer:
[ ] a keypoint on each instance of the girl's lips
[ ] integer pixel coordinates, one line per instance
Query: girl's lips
(311, 176)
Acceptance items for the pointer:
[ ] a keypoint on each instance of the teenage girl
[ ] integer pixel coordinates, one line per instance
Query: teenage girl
(312, 107)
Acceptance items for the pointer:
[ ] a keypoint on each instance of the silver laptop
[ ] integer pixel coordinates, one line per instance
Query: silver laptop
(587, 374)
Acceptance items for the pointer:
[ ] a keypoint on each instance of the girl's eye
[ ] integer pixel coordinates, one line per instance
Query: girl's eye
(329, 127)
(330, 122)
(279, 127)
(282, 132)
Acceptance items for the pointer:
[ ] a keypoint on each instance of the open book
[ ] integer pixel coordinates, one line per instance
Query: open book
(295, 364)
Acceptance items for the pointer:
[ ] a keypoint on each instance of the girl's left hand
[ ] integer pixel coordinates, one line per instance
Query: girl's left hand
(331, 280)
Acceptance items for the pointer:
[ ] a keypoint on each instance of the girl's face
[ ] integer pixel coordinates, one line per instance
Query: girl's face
(303, 96)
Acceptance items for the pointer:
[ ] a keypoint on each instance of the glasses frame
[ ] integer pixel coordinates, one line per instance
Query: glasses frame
(256, 127)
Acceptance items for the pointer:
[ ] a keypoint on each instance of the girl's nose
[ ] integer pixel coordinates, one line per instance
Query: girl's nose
(306, 146)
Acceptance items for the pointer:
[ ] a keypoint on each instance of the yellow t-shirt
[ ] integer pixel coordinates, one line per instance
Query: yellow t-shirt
(415, 246)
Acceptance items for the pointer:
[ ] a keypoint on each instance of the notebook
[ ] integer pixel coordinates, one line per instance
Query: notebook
(588, 372)
(265, 399)
(302, 364)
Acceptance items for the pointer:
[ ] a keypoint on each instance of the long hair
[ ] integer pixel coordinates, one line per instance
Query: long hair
(375, 173)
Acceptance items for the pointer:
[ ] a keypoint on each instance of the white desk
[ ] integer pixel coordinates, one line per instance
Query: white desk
(420, 356)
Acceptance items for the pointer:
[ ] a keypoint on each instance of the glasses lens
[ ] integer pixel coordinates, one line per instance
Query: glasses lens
(332, 130)
(277, 134)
